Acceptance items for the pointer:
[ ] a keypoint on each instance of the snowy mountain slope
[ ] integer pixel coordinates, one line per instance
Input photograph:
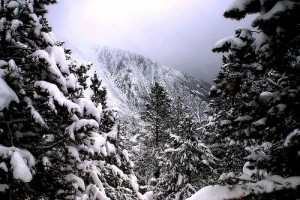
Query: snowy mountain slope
(128, 78)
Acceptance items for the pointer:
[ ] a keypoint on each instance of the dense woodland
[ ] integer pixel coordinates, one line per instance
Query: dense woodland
(60, 142)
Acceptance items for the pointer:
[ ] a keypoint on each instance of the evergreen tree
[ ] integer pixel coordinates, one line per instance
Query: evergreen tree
(99, 92)
(185, 163)
(254, 122)
(51, 143)
(158, 115)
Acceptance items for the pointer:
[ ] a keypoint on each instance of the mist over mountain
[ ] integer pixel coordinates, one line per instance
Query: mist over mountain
(128, 78)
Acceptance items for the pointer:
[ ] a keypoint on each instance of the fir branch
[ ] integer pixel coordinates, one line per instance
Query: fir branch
(31, 147)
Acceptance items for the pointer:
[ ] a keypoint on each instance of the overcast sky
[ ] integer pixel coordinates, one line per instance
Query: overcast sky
(175, 33)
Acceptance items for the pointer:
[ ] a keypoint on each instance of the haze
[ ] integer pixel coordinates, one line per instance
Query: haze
(175, 33)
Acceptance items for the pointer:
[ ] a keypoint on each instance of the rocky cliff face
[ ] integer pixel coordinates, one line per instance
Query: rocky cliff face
(128, 78)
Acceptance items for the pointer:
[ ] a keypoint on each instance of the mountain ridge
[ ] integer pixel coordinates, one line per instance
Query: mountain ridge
(129, 76)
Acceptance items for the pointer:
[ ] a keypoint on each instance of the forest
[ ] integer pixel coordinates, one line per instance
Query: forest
(62, 139)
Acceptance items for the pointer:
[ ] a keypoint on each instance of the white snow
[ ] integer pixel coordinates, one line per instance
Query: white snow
(232, 42)
(20, 169)
(13, 66)
(7, 95)
(125, 154)
(35, 115)
(268, 185)
(281, 7)
(248, 171)
(281, 107)
(117, 171)
(72, 82)
(246, 34)
(51, 66)
(76, 181)
(2, 22)
(48, 38)
(98, 142)
(267, 97)
(110, 148)
(46, 161)
(58, 55)
(243, 118)
(55, 93)
(239, 5)
(290, 137)
(3, 187)
(3, 63)
(149, 196)
(3, 167)
(225, 122)
(258, 152)
(96, 180)
(42, 54)
(8, 36)
(15, 24)
(89, 108)
(12, 4)
(73, 152)
(260, 40)
(134, 183)
(260, 122)
(75, 126)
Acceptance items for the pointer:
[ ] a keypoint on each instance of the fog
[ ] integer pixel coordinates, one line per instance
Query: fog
(178, 34)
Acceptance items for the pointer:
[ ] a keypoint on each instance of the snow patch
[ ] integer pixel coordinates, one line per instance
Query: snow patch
(217, 192)
(7, 95)
(20, 168)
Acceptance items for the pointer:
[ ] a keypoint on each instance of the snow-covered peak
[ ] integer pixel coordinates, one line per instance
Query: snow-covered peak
(128, 78)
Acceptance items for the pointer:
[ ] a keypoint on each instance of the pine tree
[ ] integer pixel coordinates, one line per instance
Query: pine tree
(51, 143)
(158, 114)
(184, 158)
(99, 92)
(253, 114)
(157, 134)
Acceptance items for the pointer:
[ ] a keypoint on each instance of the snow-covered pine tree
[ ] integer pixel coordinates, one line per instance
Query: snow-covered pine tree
(256, 101)
(51, 145)
(157, 116)
(99, 92)
(185, 163)
(98, 96)
(80, 73)
(157, 113)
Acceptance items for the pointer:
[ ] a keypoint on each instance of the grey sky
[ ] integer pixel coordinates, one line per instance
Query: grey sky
(175, 33)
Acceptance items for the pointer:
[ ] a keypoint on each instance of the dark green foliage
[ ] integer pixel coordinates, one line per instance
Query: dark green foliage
(99, 92)
(80, 72)
(175, 162)
(256, 97)
(51, 131)
(157, 113)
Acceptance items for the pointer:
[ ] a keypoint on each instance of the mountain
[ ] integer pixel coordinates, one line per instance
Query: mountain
(128, 78)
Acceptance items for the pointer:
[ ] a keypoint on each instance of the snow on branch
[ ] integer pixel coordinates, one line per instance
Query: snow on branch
(58, 55)
(53, 92)
(76, 181)
(89, 108)
(268, 185)
(229, 43)
(20, 161)
(289, 139)
(34, 113)
(7, 95)
(281, 8)
(239, 9)
(80, 124)
(55, 64)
